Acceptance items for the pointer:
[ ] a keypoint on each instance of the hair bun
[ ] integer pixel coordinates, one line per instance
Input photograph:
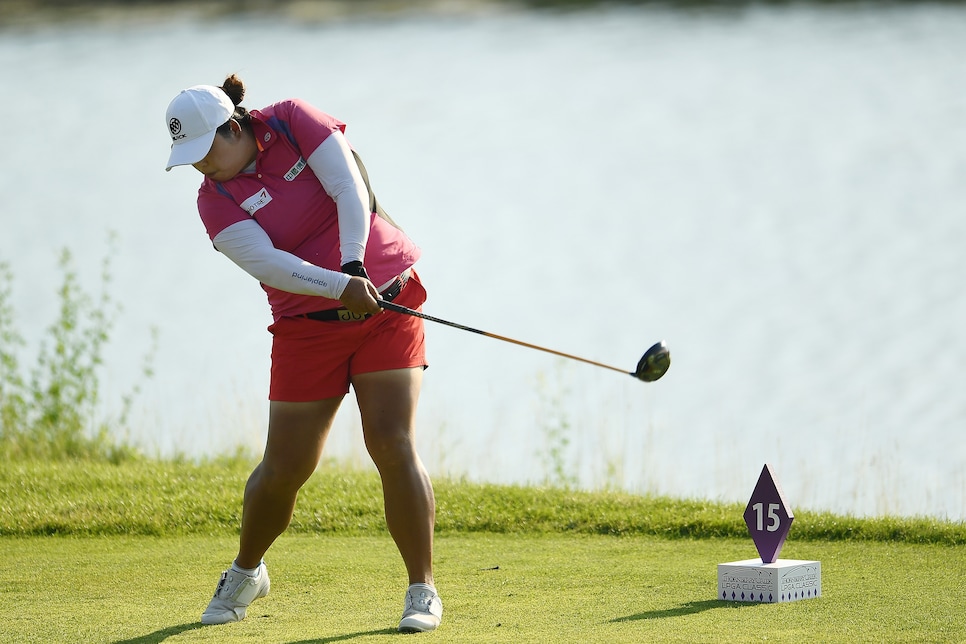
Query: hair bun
(235, 88)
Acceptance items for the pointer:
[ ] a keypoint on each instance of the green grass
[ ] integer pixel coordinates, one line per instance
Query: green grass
(496, 588)
(94, 552)
(158, 498)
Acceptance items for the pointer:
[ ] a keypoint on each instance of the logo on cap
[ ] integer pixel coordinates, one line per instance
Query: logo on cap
(175, 126)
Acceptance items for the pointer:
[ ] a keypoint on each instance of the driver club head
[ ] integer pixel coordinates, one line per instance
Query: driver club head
(654, 363)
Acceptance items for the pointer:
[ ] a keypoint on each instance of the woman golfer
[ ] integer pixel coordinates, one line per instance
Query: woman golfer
(286, 198)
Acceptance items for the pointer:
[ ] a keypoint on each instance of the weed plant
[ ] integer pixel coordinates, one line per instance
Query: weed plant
(556, 430)
(53, 409)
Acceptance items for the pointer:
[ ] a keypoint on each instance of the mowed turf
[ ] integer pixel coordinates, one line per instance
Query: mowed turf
(495, 587)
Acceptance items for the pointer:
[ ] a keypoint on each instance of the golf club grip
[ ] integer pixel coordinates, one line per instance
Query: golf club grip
(398, 308)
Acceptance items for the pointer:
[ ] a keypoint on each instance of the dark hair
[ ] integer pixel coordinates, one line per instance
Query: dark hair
(235, 88)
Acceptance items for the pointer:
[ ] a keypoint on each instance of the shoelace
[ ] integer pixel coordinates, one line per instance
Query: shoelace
(421, 603)
(225, 580)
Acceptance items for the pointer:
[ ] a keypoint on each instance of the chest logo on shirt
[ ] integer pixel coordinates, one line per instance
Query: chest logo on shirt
(257, 201)
(296, 170)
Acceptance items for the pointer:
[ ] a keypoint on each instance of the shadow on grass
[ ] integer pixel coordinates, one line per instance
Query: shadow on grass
(684, 609)
(163, 634)
(171, 631)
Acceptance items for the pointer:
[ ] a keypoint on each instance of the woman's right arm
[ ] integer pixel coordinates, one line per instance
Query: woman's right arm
(248, 245)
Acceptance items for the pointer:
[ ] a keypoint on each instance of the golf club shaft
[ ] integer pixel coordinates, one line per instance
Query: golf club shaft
(398, 308)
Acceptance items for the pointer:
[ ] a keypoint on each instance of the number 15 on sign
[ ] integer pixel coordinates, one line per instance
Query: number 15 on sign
(773, 519)
(768, 517)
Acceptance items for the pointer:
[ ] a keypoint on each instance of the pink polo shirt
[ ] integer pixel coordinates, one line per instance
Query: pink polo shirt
(287, 200)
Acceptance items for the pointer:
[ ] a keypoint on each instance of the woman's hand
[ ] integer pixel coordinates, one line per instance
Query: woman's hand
(360, 297)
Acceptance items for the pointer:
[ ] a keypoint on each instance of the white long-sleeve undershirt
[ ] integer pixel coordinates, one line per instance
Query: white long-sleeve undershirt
(248, 245)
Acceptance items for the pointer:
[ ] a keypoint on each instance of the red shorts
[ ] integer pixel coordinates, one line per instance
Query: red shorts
(312, 360)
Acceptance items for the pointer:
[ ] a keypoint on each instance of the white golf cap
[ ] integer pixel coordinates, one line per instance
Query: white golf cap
(193, 116)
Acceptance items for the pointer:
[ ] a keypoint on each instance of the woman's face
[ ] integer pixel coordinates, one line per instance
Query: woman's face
(228, 155)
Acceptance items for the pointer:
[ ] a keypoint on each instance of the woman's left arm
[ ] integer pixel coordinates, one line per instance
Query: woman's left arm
(333, 163)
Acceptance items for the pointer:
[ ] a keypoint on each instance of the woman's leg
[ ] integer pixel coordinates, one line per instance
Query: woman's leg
(387, 403)
(296, 435)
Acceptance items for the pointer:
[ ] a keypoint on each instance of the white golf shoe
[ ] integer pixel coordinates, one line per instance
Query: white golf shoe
(422, 609)
(235, 591)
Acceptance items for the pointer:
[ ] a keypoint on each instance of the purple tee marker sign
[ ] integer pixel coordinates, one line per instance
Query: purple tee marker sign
(768, 516)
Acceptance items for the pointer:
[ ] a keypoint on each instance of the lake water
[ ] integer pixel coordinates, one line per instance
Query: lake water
(779, 193)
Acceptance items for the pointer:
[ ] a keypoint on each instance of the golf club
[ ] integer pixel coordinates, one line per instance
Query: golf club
(652, 365)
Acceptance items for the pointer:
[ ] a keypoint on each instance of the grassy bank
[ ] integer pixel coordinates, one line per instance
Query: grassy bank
(162, 498)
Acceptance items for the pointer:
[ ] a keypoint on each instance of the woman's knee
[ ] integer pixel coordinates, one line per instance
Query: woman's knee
(296, 436)
(280, 477)
(390, 447)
